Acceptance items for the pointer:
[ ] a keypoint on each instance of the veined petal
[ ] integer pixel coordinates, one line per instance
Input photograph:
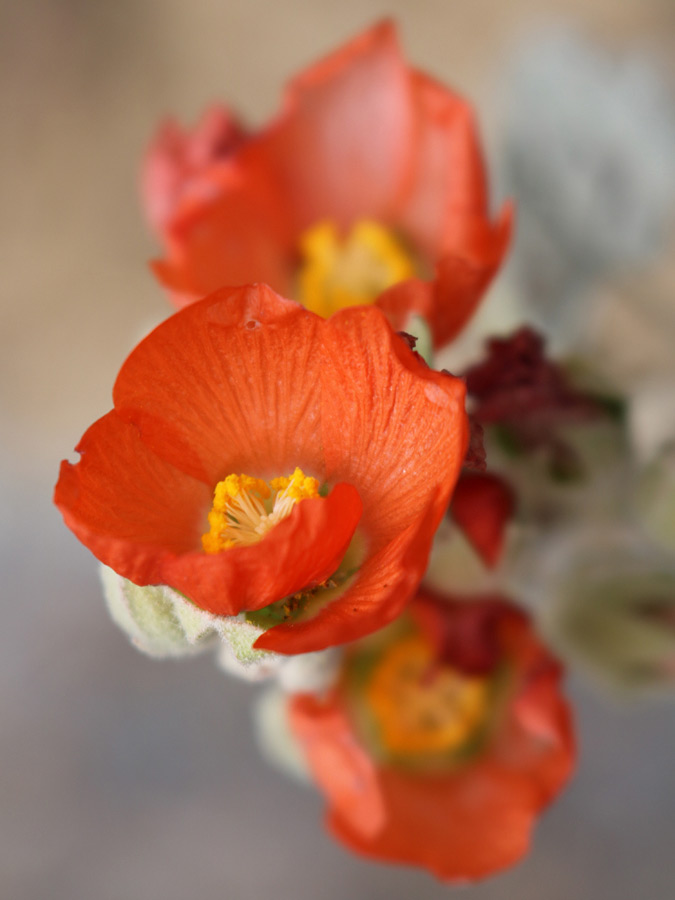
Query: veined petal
(144, 518)
(396, 428)
(129, 506)
(405, 472)
(381, 590)
(227, 385)
(299, 553)
(449, 180)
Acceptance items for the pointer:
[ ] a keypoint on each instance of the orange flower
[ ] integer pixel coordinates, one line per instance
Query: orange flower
(444, 739)
(262, 459)
(370, 180)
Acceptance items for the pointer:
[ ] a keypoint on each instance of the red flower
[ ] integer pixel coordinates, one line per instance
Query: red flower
(370, 178)
(196, 479)
(443, 741)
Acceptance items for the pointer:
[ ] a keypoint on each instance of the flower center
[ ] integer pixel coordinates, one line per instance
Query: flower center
(421, 706)
(246, 508)
(349, 270)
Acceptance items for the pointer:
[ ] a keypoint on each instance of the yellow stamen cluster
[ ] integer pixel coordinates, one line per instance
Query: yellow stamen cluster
(350, 270)
(420, 706)
(246, 508)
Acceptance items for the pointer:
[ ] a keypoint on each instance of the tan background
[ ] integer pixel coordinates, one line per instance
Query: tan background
(126, 778)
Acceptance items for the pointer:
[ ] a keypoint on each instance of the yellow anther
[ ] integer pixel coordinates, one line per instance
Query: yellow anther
(234, 485)
(349, 270)
(421, 707)
(297, 486)
(246, 508)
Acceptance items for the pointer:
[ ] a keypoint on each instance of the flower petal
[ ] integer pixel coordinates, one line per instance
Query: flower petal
(176, 160)
(449, 181)
(446, 211)
(144, 518)
(464, 273)
(482, 505)
(232, 231)
(338, 762)
(130, 507)
(398, 430)
(341, 147)
(380, 592)
(300, 552)
(228, 385)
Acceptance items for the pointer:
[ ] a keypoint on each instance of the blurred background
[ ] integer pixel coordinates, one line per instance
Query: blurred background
(125, 777)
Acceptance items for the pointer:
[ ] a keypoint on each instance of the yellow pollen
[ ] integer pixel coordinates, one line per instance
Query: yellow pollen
(246, 508)
(350, 270)
(422, 707)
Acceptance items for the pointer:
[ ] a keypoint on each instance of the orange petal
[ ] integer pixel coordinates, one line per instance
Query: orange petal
(342, 145)
(397, 430)
(176, 160)
(144, 518)
(131, 508)
(448, 182)
(466, 270)
(338, 763)
(300, 552)
(228, 385)
(232, 231)
(446, 210)
(462, 827)
(382, 589)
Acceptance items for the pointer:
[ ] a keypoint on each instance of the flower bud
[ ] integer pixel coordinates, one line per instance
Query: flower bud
(158, 620)
(276, 742)
(614, 610)
(163, 623)
(655, 500)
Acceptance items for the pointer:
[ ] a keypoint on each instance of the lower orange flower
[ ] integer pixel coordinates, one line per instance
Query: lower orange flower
(444, 739)
(263, 461)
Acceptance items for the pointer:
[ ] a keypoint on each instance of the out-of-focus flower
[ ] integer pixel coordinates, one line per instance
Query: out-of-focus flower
(655, 500)
(370, 179)
(611, 606)
(651, 416)
(350, 447)
(176, 159)
(588, 154)
(482, 505)
(527, 396)
(444, 739)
